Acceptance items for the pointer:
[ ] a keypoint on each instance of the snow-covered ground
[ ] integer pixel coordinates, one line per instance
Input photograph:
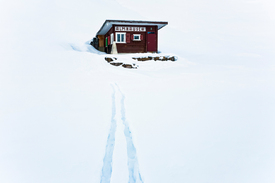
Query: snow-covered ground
(66, 115)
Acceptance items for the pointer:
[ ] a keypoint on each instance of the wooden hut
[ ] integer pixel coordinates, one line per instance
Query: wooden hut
(129, 36)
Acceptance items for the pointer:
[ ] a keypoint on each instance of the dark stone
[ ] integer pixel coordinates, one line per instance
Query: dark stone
(129, 66)
(156, 58)
(173, 58)
(116, 63)
(143, 58)
(108, 59)
(164, 59)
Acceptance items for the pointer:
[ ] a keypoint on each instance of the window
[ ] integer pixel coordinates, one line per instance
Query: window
(121, 37)
(136, 37)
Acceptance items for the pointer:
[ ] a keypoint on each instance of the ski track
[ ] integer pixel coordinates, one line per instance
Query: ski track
(108, 158)
(133, 168)
(134, 173)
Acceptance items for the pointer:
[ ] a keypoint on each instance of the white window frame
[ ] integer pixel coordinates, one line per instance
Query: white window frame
(112, 38)
(138, 37)
(119, 33)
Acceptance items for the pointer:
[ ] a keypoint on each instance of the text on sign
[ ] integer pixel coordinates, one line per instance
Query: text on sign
(135, 29)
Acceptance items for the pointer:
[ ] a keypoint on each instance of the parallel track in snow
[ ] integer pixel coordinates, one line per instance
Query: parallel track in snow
(132, 161)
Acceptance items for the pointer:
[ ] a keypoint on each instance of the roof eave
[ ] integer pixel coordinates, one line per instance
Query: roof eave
(130, 21)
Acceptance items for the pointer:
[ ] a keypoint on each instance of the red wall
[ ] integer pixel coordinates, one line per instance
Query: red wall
(133, 46)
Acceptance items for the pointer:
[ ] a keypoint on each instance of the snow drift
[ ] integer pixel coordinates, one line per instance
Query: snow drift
(206, 118)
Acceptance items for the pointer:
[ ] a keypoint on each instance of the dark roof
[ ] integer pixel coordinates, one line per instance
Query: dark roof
(108, 24)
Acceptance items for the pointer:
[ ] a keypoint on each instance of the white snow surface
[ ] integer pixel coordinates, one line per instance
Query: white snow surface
(67, 116)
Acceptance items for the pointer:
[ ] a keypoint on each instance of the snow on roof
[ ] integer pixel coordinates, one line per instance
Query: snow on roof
(108, 24)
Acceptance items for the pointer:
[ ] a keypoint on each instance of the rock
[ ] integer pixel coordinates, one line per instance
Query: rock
(164, 58)
(173, 58)
(116, 63)
(134, 66)
(161, 58)
(143, 58)
(156, 58)
(129, 66)
(108, 59)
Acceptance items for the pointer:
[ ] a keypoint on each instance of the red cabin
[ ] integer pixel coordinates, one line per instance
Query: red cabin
(129, 36)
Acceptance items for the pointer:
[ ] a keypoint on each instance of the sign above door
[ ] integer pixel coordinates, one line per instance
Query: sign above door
(134, 29)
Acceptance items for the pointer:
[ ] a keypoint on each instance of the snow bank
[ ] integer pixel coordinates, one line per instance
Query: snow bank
(206, 118)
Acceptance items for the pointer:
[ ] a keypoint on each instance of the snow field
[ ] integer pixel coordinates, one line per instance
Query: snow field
(207, 117)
